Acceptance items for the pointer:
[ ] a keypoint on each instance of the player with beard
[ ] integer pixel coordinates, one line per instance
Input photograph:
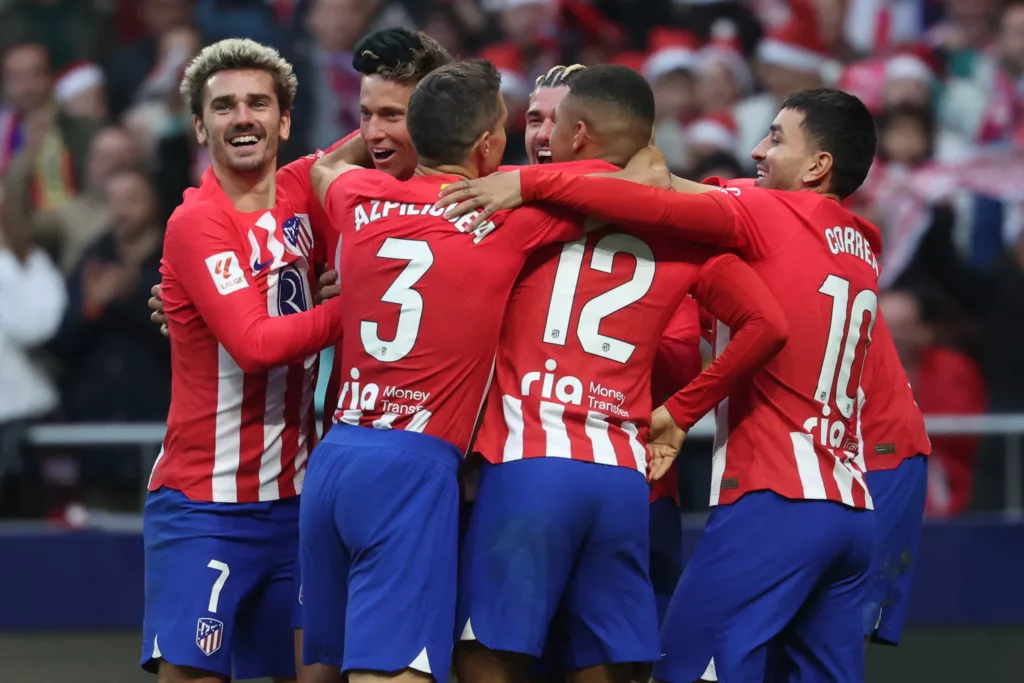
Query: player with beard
(785, 554)
(220, 526)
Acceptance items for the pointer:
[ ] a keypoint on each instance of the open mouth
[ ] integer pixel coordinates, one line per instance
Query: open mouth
(382, 154)
(543, 156)
(761, 173)
(244, 140)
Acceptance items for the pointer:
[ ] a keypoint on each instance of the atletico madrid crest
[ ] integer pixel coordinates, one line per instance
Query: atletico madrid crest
(209, 635)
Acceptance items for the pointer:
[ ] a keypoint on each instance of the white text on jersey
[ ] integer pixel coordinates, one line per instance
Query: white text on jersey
(569, 389)
(850, 241)
(375, 210)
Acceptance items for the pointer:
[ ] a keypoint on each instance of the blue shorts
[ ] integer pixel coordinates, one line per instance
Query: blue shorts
(666, 551)
(379, 551)
(220, 585)
(899, 496)
(771, 571)
(547, 536)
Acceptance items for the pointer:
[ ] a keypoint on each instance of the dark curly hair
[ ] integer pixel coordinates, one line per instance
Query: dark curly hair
(398, 54)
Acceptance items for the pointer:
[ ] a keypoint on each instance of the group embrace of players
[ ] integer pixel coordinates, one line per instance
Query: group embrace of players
(527, 340)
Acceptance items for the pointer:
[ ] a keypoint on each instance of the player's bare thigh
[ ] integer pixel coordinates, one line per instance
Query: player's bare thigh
(603, 673)
(475, 663)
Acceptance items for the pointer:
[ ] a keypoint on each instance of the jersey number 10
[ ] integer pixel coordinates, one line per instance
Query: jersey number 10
(847, 321)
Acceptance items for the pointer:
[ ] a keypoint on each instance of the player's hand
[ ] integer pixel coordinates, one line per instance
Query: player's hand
(647, 167)
(156, 304)
(327, 286)
(664, 440)
(496, 192)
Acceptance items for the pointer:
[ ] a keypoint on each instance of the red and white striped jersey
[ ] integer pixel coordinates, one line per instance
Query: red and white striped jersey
(423, 300)
(577, 348)
(239, 428)
(892, 426)
(794, 429)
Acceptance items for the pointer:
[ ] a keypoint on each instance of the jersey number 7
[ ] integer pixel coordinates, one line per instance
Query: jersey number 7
(419, 260)
(563, 294)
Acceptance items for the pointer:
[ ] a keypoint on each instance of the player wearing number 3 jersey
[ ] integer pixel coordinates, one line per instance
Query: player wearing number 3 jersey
(786, 549)
(423, 300)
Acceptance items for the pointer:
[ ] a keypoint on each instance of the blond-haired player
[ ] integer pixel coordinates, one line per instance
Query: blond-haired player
(221, 519)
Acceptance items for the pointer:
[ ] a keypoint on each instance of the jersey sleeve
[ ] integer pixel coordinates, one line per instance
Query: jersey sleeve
(200, 250)
(730, 290)
(534, 227)
(704, 218)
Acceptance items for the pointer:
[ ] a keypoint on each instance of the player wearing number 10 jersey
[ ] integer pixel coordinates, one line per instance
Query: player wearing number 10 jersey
(785, 552)
(423, 301)
(560, 520)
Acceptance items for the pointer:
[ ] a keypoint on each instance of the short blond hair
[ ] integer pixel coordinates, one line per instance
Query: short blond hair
(237, 54)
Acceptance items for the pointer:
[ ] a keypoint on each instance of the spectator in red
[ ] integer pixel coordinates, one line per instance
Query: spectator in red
(945, 382)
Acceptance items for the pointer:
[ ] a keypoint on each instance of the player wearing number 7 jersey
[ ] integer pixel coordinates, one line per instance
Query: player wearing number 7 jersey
(786, 549)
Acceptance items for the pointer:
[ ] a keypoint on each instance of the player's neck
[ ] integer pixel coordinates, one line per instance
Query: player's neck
(249, 191)
(461, 171)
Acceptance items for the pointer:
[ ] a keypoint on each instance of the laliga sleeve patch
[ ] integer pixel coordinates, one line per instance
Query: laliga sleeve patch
(226, 271)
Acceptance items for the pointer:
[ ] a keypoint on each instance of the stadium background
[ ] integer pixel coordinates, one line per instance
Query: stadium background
(95, 150)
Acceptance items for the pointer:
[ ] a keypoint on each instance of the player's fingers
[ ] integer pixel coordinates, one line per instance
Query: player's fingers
(462, 208)
(328, 278)
(330, 292)
(155, 304)
(158, 317)
(480, 219)
(460, 189)
(155, 291)
(164, 331)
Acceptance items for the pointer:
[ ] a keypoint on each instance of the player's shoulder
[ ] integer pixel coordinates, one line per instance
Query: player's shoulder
(197, 213)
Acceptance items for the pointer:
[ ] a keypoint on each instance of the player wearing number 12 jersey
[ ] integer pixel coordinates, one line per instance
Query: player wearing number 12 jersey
(560, 521)
(423, 302)
(785, 552)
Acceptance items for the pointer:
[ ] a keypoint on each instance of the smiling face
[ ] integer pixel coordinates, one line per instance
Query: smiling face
(242, 122)
(787, 155)
(540, 121)
(383, 105)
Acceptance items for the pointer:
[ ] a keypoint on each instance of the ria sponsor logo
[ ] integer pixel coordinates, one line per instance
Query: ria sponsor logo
(569, 389)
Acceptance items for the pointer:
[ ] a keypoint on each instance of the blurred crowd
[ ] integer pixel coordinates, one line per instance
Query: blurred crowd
(96, 149)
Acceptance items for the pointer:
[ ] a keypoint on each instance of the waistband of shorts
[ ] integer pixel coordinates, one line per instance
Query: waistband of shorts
(411, 443)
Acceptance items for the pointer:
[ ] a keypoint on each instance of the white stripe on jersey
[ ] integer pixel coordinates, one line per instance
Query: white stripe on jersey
(419, 421)
(556, 441)
(273, 421)
(513, 409)
(844, 480)
(351, 417)
(596, 428)
(807, 466)
(385, 421)
(639, 452)
(227, 449)
(720, 448)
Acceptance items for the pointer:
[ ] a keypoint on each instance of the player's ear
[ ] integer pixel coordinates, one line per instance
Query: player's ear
(284, 129)
(482, 146)
(818, 170)
(580, 136)
(197, 124)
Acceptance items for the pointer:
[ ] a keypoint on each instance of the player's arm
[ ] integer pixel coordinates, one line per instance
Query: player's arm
(228, 299)
(351, 155)
(704, 217)
(730, 290)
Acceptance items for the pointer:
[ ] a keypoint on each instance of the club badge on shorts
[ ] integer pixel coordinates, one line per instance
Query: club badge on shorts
(209, 635)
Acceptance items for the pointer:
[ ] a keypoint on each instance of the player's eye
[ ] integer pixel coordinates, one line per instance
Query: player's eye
(364, 115)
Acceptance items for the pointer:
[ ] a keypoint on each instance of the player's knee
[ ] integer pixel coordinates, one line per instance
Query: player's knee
(476, 663)
(403, 676)
(172, 673)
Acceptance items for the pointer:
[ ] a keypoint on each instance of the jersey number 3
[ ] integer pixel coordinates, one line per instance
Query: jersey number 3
(563, 294)
(418, 259)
